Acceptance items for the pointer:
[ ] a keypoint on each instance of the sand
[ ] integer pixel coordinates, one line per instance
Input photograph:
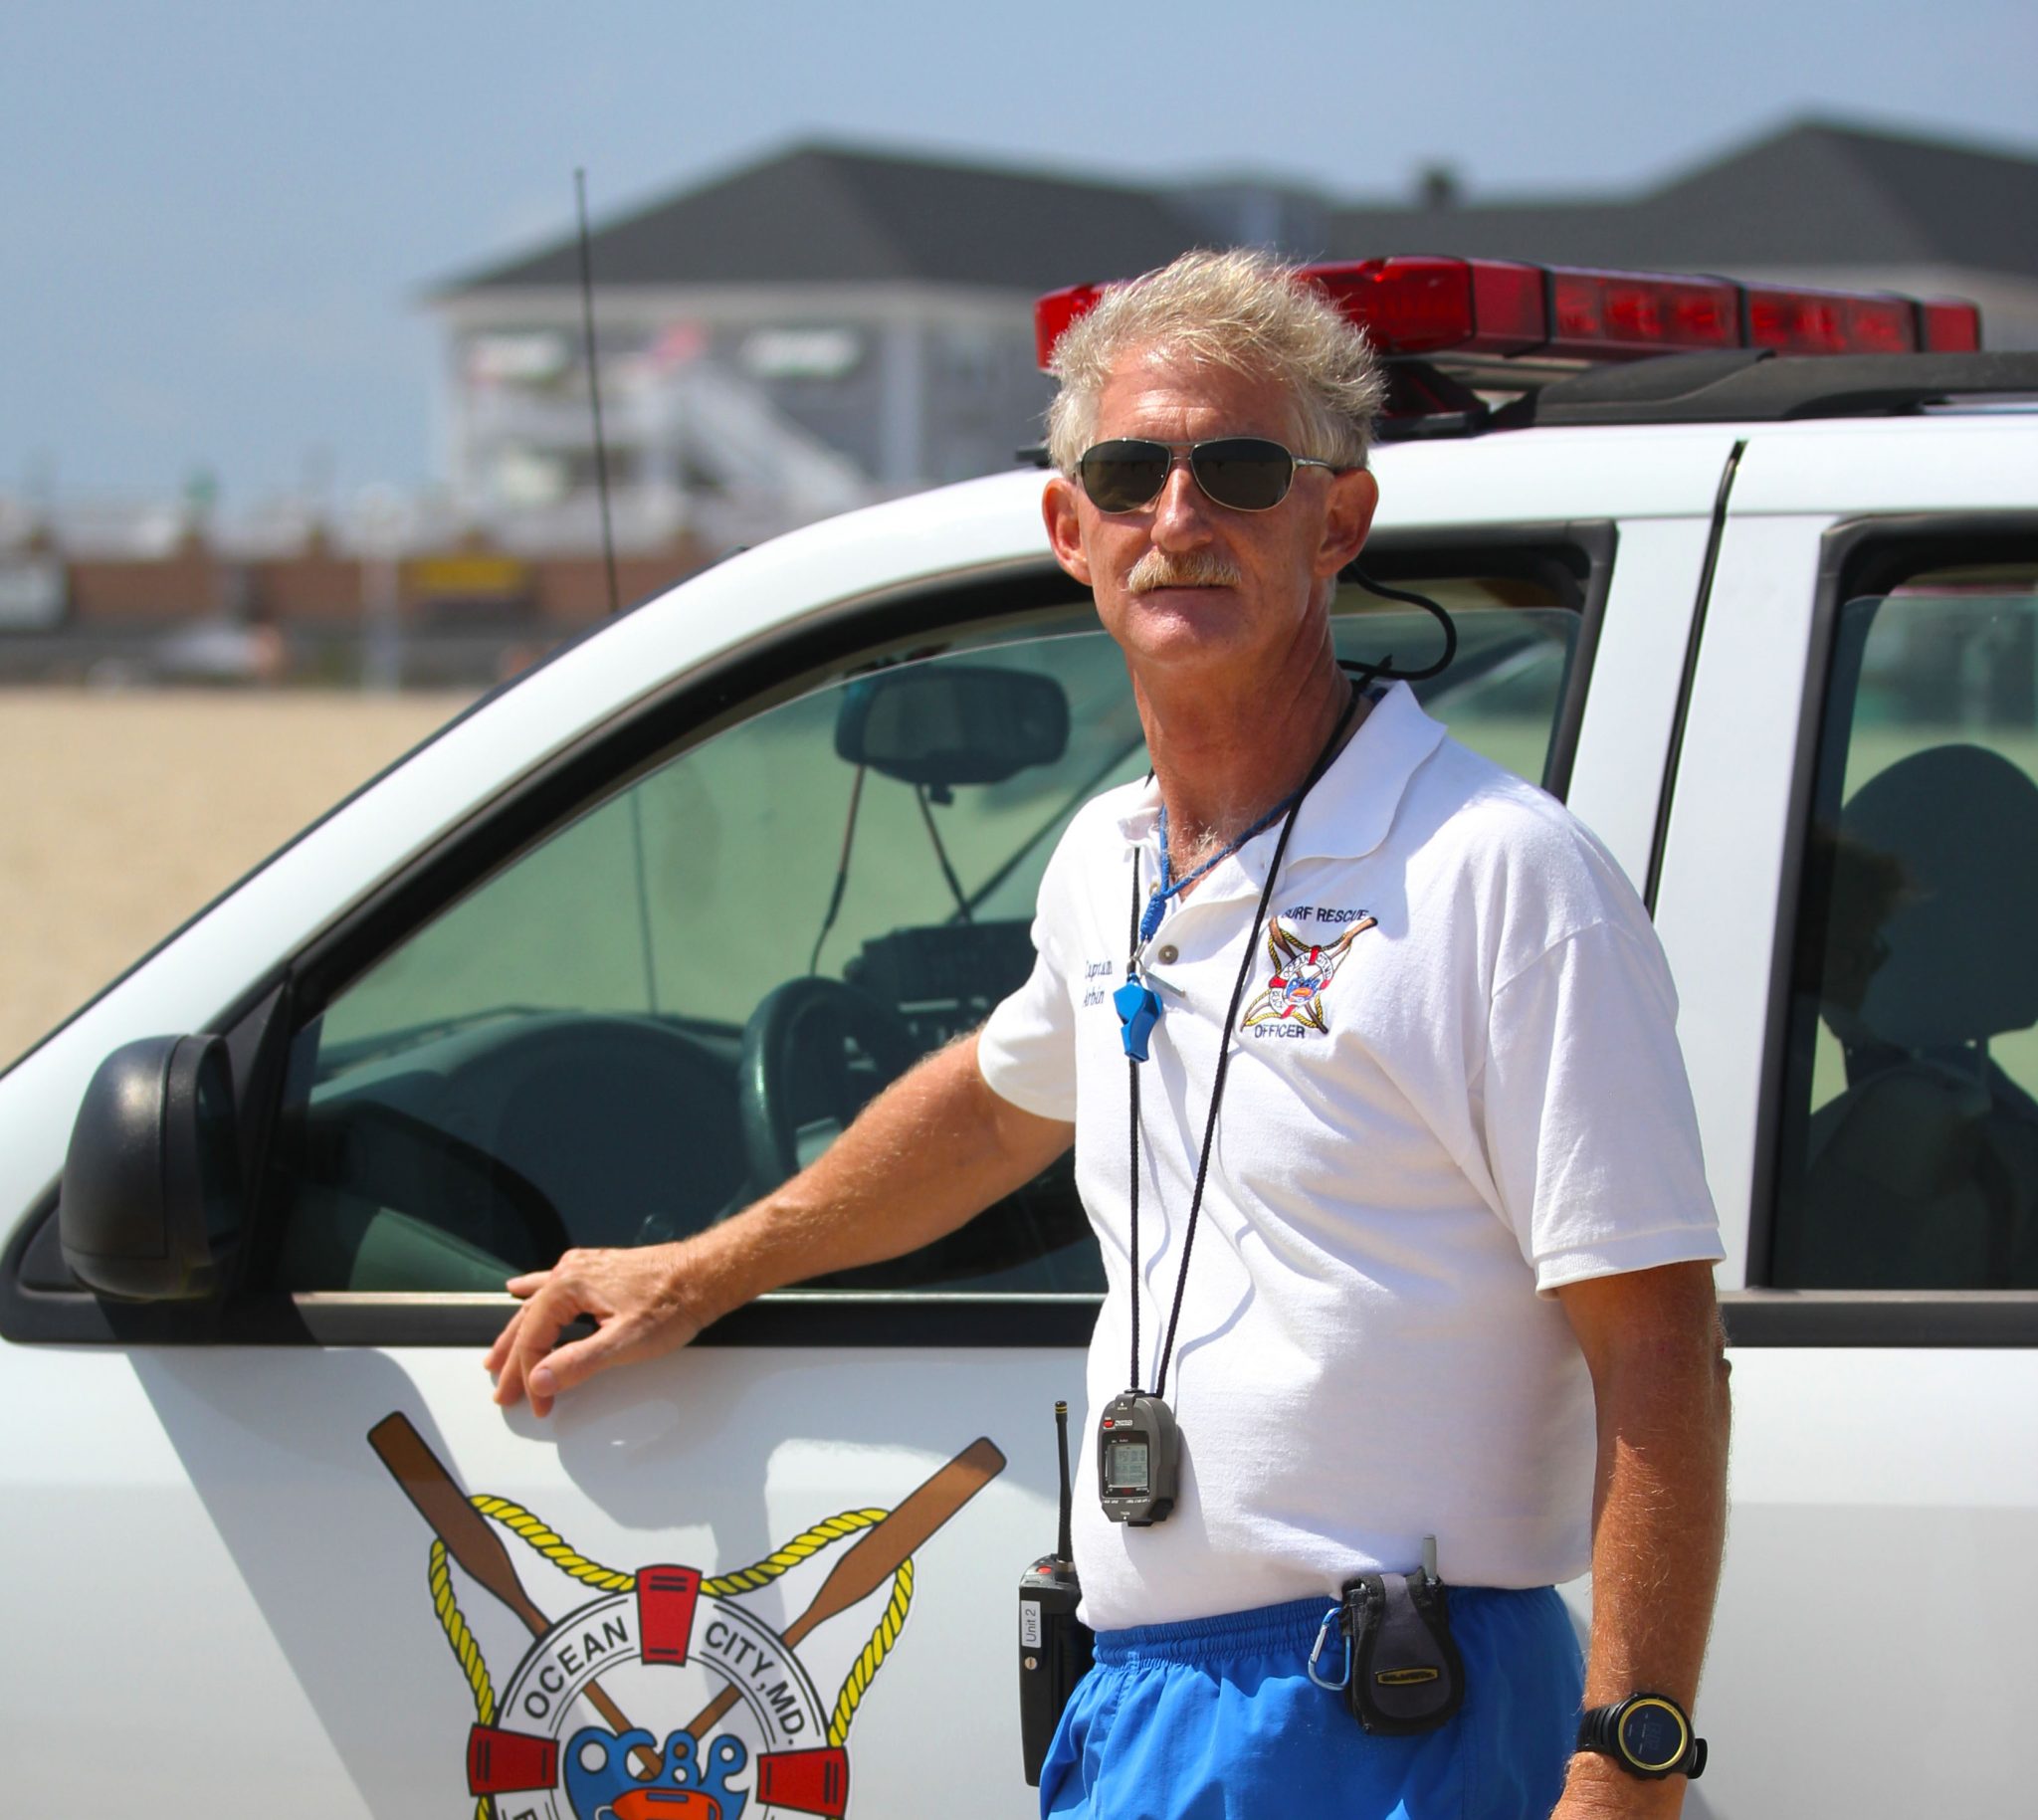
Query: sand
(127, 811)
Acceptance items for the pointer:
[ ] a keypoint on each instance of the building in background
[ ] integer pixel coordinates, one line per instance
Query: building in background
(814, 331)
(1817, 204)
(832, 325)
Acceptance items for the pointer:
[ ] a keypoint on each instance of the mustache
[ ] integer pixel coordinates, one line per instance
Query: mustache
(1182, 569)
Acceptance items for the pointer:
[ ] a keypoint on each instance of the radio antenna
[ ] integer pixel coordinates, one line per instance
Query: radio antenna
(601, 453)
(608, 557)
(1062, 1440)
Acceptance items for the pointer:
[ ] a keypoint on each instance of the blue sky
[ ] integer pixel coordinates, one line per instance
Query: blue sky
(218, 219)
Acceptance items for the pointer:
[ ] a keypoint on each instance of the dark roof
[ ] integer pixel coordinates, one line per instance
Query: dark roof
(820, 214)
(1809, 195)
(1836, 195)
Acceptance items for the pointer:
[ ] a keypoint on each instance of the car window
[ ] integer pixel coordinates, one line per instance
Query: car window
(684, 994)
(1517, 641)
(1908, 1151)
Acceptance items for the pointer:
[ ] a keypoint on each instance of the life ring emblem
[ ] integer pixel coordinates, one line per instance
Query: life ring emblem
(627, 1708)
(608, 1637)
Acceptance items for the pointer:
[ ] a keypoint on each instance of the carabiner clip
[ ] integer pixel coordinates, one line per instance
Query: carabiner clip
(1330, 1617)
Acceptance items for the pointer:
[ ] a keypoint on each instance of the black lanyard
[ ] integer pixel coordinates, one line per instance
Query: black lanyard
(1245, 972)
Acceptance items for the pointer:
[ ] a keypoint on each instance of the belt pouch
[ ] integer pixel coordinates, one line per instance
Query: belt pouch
(1406, 1673)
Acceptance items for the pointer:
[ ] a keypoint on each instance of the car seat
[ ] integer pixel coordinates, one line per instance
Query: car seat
(1923, 1172)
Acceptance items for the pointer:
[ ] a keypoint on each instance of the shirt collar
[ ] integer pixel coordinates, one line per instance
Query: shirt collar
(1346, 816)
(1350, 810)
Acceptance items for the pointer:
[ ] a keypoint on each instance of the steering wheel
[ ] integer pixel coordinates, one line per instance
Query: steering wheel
(814, 1051)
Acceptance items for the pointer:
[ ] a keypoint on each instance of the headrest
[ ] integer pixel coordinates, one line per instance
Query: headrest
(1962, 823)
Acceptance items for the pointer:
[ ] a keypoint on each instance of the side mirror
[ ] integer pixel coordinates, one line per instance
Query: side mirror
(949, 723)
(151, 1189)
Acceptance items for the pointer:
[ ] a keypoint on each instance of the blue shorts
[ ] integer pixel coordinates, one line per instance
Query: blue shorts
(1218, 1719)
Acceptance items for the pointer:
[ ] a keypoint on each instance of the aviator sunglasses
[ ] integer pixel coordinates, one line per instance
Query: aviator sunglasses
(1244, 473)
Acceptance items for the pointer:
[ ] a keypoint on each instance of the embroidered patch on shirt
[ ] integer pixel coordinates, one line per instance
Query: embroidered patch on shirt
(1294, 999)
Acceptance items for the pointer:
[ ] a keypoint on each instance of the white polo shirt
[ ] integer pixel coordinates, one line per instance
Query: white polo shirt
(1455, 1082)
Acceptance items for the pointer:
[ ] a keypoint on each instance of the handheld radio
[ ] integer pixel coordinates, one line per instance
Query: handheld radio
(1055, 1645)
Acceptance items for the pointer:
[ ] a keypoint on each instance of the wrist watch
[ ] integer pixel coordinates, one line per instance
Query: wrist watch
(1647, 1735)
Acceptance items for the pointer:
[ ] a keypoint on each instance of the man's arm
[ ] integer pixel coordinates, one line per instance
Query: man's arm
(936, 1147)
(1653, 1343)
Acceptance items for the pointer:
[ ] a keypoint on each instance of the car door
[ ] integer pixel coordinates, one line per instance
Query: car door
(1845, 895)
(282, 1546)
(286, 1539)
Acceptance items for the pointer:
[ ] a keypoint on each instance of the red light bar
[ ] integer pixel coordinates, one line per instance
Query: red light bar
(1055, 311)
(1946, 326)
(1619, 316)
(1405, 305)
(1830, 322)
(1426, 305)
(1493, 309)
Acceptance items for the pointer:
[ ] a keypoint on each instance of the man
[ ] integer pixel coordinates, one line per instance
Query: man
(1403, 1202)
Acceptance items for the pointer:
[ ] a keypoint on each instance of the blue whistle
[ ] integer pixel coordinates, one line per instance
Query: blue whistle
(1139, 1011)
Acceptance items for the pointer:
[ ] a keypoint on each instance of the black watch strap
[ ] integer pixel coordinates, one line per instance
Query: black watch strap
(1648, 1734)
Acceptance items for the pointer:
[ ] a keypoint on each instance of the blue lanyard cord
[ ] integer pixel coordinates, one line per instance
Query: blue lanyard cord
(1170, 885)
(1245, 971)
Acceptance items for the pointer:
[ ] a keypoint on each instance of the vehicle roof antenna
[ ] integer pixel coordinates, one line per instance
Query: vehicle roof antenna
(601, 453)
(608, 558)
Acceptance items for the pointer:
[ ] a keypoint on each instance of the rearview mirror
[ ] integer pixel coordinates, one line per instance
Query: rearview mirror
(151, 1186)
(949, 723)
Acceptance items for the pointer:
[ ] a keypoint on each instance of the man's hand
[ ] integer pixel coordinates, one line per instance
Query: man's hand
(640, 1307)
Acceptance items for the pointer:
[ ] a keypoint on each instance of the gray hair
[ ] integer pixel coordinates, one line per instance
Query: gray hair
(1243, 309)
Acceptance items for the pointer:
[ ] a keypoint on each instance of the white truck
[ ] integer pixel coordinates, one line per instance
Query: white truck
(634, 936)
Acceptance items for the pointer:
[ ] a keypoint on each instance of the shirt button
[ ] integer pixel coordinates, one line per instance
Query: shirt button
(1169, 955)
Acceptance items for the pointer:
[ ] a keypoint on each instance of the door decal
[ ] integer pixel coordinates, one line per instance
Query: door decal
(530, 1752)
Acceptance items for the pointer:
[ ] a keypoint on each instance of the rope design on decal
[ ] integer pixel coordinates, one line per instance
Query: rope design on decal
(863, 1670)
(533, 1531)
(466, 1652)
(552, 1546)
(464, 1649)
(783, 1560)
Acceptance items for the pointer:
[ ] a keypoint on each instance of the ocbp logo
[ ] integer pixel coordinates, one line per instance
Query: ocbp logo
(625, 1773)
(589, 1725)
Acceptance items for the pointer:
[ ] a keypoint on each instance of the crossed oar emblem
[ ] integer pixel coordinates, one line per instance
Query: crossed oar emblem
(811, 1782)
